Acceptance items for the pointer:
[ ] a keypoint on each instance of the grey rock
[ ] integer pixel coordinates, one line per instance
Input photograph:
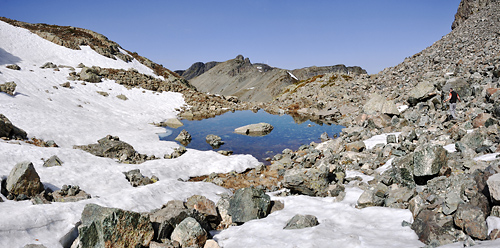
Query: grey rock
(214, 140)
(164, 220)
(24, 180)
(471, 220)
(391, 138)
(357, 146)
(176, 153)
(249, 203)
(137, 179)
(184, 137)
(301, 221)
(48, 65)
(433, 228)
(421, 92)
(8, 87)
(494, 186)
(53, 161)
(189, 233)
(379, 104)
(70, 193)
(112, 147)
(259, 129)
(90, 75)
(428, 159)
(399, 197)
(307, 181)
(112, 227)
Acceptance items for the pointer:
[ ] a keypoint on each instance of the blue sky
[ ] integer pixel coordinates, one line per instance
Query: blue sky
(288, 34)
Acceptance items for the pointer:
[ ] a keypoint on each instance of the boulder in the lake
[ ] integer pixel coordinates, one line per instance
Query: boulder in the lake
(173, 123)
(259, 129)
(23, 182)
(184, 137)
(189, 233)
(112, 227)
(301, 221)
(248, 204)
(214, 140)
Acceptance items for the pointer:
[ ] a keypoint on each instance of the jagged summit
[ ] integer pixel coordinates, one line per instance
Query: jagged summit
(256, 82)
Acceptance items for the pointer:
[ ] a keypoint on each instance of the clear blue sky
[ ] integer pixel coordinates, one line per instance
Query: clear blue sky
(288, 34)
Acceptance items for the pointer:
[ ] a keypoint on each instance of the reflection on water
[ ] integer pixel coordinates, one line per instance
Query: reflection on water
(286, 133)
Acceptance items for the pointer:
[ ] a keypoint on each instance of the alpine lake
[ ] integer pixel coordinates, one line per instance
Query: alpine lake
(287, 133)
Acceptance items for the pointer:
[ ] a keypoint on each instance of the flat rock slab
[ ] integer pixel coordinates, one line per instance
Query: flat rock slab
(173, 123)
(259, 129)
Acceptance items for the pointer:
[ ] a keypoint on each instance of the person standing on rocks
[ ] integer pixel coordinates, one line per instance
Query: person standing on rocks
(453, 97)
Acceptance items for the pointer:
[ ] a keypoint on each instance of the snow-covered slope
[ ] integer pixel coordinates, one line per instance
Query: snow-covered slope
(79, 116)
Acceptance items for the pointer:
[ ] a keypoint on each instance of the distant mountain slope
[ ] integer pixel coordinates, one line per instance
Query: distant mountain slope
(257, 82)
(196, 69)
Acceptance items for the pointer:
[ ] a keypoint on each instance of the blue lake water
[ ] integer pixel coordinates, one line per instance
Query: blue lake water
(286, 133)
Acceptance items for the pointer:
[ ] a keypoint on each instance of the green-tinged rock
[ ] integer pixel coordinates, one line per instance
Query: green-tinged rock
(249, 203)
(112, 227)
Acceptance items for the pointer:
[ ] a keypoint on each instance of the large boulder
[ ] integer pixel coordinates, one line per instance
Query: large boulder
(112, 227)
(301, 221)
(471, 220)
(189, 233)
(428, 159)
(24, 180)
(170, 215)
(259, 129)
(433, 228)
(248, 204)
(110, 147)
(9, 131)
(378, 104)
(421, 92)
(307, 181)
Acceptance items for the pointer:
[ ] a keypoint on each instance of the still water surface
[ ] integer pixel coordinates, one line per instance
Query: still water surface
(286, 133)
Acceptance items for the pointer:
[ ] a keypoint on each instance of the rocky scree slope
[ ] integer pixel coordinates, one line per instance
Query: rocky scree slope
(466, 59)
(254, 82)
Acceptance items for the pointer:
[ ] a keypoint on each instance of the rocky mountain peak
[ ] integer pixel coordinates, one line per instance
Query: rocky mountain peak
(468, 8)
